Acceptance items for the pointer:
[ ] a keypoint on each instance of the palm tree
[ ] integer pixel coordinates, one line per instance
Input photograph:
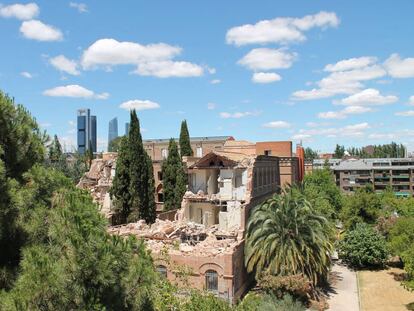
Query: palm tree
(285, 236)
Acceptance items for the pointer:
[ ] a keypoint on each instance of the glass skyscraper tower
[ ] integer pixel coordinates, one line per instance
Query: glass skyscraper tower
(86, 131)
(112, 130)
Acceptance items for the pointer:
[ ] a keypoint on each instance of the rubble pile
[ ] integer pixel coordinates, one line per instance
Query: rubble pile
(98, 180)
(185, 238)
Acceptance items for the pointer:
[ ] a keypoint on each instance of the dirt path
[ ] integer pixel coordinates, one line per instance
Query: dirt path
(381, 292)
(344, 296)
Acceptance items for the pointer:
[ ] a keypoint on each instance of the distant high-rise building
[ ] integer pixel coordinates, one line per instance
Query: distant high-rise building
(86, 131)
(112, 130)
(126, 129)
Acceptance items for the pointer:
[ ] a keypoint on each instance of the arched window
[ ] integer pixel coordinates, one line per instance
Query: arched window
(162, 270)
(211, 280)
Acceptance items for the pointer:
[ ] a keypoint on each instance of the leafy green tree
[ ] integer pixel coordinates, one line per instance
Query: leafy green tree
(320, 189)
(286, 236)
(185, 145)
(364, 247)
(339, 151)
(310, 154)
(120, 184)
(362, 207)
(114, 144)
(401, 243)
(174, 184)
(142, 203)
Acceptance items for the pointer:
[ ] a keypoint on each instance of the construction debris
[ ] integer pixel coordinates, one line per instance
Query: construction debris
(98, 181)
(186, 238)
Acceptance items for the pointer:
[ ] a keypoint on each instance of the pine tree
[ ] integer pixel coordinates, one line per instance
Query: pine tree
(120, 185)
(185, 145)
(141, 185)
(174, 180)
(55, 150)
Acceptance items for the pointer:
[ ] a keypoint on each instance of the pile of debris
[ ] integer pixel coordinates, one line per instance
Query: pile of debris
(185, 238)
(98, 181)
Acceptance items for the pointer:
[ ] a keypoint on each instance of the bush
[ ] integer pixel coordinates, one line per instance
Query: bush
(363, 247)
(296, 285)
(269, 302)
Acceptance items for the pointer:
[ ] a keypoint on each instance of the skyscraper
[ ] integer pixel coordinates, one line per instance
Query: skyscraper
(126, 129)
(112, 130)
(86, 131)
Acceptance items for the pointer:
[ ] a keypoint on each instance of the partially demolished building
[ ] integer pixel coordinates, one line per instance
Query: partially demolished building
(207, 233)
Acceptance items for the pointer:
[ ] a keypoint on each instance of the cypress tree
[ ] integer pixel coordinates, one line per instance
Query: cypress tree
(142, 203)
(120, 184)
(185, 145)
(174, 179)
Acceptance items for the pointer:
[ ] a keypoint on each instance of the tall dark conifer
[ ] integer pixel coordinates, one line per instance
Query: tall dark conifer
(185, 145)
(120, 185)
(174, 178)
(140, 171)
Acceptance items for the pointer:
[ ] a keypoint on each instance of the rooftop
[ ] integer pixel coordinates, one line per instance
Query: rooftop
(193, 139)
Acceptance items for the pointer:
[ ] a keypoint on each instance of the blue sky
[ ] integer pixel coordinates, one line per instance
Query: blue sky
(323, 72)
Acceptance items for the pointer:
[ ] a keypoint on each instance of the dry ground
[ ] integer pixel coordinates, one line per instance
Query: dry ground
(379, 291)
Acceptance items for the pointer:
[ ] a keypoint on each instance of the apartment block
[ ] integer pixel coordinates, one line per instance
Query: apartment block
(395, 173)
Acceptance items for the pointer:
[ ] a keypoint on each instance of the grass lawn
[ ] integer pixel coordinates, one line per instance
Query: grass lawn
(379, 291)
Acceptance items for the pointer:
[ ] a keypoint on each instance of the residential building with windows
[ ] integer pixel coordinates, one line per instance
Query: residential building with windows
(86, 131)
(394, 173)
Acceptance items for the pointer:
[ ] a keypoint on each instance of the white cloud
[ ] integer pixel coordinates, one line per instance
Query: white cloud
(351, 63)
(237, 115)
(280, 30)
(408, 113)
(411, 100)
(368, 97)
(166, 69)
(215, 81)
(81, 7)
(304, 137)
(399, 68)
(265, 77)
(353, 130)
(341, 82)
(211, 106)
(26, 74)
(265, 59)
(150, 60)
(75, 91)
(342, 114)
(110, 52)
(139, 104)
(37, 30)
(277, 125)
(381, 136)
(64, 64)
(20, 11)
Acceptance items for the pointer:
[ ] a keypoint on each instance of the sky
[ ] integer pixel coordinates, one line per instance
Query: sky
(316, 72)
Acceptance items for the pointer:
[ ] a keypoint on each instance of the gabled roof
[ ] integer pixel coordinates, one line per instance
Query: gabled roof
(216, 159)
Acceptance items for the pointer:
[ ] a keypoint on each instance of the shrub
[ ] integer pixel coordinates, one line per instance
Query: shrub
(363, 247)
(296, 285)
(269, 302)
